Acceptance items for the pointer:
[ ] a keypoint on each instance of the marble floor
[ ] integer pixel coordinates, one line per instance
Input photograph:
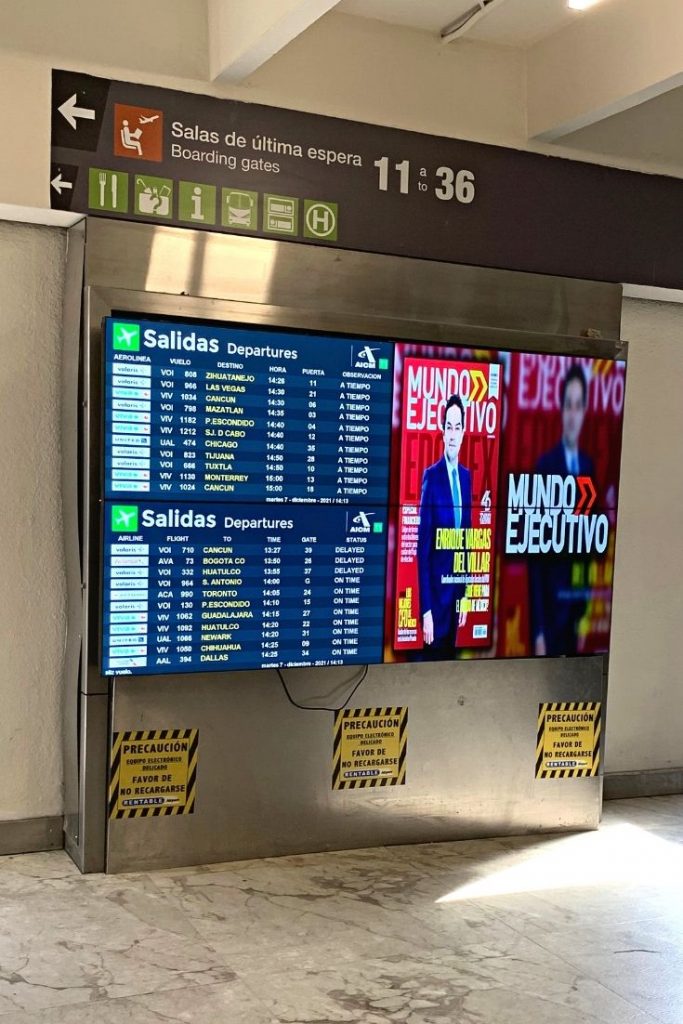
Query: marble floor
(582, 929)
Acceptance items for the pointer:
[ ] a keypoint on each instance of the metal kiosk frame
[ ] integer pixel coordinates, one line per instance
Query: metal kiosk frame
(264, 771)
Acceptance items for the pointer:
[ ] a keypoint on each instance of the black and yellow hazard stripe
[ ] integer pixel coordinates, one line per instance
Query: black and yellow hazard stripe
(398, 776)
(186, 807)
(568, 773)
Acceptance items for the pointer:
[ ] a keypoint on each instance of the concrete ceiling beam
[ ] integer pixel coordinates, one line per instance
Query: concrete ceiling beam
(243, 36)
(612, 58)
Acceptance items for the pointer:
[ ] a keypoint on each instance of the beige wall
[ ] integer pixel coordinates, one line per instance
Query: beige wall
(645, 709)
(621, 55)
(347, 68)
(156, 35)
(32, 580)
(645, 720)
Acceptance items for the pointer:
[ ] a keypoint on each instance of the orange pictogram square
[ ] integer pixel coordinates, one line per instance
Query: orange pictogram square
(138, 132)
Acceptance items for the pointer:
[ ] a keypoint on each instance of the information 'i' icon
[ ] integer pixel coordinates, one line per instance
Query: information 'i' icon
(196, 202)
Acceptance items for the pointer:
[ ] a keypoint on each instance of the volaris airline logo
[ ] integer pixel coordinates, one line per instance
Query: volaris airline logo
(126, 337)
(124, 518)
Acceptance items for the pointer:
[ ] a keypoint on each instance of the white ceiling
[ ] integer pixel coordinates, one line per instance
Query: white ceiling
(648, 132)
(513, 23)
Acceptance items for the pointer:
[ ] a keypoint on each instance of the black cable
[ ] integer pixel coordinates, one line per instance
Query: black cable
(307, 707)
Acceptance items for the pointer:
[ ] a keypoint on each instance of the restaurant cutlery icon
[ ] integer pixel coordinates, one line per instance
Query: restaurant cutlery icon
(108, 185)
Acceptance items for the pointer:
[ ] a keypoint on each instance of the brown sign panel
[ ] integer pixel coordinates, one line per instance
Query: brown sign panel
(159, 156)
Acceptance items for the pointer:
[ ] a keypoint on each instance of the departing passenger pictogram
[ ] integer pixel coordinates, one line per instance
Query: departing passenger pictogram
(138, 132)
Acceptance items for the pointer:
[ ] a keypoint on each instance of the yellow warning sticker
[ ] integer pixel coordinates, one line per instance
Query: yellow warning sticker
(153, 773)
(568, 739)
(370, 747)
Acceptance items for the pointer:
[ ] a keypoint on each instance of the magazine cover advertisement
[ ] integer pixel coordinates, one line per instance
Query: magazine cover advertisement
(447, 502)
(504, 483)
(560, 465)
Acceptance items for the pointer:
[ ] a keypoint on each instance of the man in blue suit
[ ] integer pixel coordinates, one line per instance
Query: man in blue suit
(557, 606)
(445, 502)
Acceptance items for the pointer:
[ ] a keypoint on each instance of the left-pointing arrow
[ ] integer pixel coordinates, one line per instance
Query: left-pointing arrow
(58, 183)
(70, 110)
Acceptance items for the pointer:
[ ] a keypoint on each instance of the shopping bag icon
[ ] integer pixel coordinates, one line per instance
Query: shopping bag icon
(153, 200)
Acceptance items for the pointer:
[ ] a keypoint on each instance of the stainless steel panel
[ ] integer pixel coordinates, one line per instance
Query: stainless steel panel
(394, 293)
(264, 783)
(94, 311)
(86, 846)
(265, 767)
(70, 415)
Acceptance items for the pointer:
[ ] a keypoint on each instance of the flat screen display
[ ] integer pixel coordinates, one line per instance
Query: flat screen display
(199, 587)
(277, 498)
(210, 414)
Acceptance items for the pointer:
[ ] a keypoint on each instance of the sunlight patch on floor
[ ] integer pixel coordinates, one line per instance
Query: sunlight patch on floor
(620, 854)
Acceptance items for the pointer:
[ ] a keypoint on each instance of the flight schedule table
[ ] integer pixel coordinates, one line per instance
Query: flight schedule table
(229, 414)
(197, 588)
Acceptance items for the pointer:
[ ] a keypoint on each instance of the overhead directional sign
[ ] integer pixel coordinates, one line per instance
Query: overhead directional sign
(71, 112)
(59, 184)
(62, 181)
(163, 157)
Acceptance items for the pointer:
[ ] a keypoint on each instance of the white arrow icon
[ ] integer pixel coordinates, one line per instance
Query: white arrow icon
(58, 184)
(70, 111)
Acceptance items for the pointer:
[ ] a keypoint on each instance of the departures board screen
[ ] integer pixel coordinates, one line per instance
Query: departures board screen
(277, 498)
(242, 586)
(203, 414)
(246, 484)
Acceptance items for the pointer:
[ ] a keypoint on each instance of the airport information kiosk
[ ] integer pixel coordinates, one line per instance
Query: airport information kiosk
(334, 581)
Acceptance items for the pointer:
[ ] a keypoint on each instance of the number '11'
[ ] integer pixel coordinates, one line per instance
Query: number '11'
(403, 169)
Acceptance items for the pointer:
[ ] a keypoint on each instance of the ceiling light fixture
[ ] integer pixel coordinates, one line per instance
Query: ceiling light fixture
(581, 5)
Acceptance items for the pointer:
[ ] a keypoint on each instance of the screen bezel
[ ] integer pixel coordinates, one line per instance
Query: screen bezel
(106, 302)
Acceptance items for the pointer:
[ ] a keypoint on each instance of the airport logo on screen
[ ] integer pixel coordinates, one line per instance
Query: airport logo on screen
(366, 358)
(364, 522)
(279, 498)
